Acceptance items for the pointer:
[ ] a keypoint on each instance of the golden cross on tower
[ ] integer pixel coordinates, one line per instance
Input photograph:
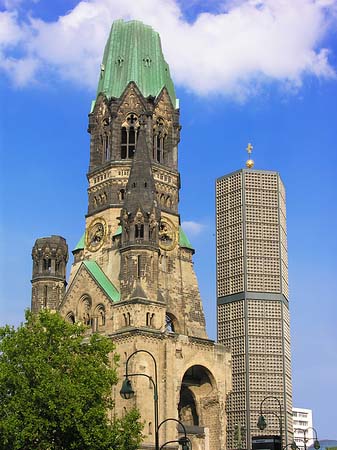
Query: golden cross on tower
(249, 162)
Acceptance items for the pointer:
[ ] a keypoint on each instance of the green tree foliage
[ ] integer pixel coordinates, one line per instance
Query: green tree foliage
(55, 385)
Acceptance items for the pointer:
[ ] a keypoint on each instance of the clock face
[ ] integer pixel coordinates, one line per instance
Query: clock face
(95, 234)
(167, 235)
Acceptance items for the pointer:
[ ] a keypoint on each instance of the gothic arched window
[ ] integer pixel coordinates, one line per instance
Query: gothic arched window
(139, 231)
(84, 310)
(47, 264)
(121, 194)
(70, 317)
(129, 136)
(106, 145)
(100, 315)
(159, 136)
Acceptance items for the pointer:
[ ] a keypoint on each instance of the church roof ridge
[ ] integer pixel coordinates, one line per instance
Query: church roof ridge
(133, 52)
(104, 282)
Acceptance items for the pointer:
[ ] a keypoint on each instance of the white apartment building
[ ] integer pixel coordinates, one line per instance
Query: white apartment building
(302, 420)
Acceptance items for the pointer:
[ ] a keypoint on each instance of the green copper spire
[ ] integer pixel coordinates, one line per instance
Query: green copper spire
(133, 53)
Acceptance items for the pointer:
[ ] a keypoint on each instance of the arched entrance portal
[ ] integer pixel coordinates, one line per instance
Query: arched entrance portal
(198, 408)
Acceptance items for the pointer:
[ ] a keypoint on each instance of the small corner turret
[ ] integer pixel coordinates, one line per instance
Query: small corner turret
(50, 257)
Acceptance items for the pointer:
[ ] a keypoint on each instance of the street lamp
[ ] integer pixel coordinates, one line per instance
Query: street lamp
(127, 392)
(184, 441)
(305, 439)
(261, 423)
(292, 445)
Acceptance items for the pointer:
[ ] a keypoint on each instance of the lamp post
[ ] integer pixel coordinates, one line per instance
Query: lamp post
(262, 424)
(127, 392)
(305, 439)
(292, 445)
(183, 441)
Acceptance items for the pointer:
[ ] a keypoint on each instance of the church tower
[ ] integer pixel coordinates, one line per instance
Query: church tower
(50, 257)
(132, 277)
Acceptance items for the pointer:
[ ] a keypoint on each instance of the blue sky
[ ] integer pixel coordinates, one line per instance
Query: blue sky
(245, 71)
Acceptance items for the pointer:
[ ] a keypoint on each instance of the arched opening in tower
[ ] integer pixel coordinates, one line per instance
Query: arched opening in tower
(187, 407)
(198, 407)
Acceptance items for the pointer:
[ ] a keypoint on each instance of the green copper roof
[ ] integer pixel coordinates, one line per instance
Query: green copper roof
(102, 280)
(133, 53)
(183, 240)
(80, 244)
(118, 231)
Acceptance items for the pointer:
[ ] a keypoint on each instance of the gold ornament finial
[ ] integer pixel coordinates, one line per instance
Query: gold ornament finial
(249, 162)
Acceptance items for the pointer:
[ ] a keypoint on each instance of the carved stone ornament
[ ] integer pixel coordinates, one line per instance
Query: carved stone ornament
(168, 235)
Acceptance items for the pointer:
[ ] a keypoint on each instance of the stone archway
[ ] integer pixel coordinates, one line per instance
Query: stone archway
(199, 407)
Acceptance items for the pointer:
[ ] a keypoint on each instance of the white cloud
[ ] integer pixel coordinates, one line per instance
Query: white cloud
(192, 228)
(252, 42)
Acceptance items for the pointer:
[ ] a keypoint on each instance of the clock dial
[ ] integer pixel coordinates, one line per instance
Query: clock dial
(95, 234)
(167, 235)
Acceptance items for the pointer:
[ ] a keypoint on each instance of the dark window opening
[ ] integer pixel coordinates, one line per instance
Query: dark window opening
(129, 137)
(169, 323)
(101, 316)
(187, 407)
(121, 194)
(159, 141)
(107, 147)
(124, 146)
(139, 231)
(47, 264)
(149, 319)
(139, 266)
(71, 318)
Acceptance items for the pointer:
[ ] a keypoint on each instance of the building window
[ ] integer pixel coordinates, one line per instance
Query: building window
(139, 231)
(149, 319)
(170, 323)
(139, 269)
(127, 319)
(159, 136)
(70, 317)
(121, 195)
(99, 316)
(129, 136)
(106, 144)
(47, 264)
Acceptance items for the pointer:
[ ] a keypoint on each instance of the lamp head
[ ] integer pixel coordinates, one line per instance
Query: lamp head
(316, 444)
(126, 391)
(185, 443)
(261, 423)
